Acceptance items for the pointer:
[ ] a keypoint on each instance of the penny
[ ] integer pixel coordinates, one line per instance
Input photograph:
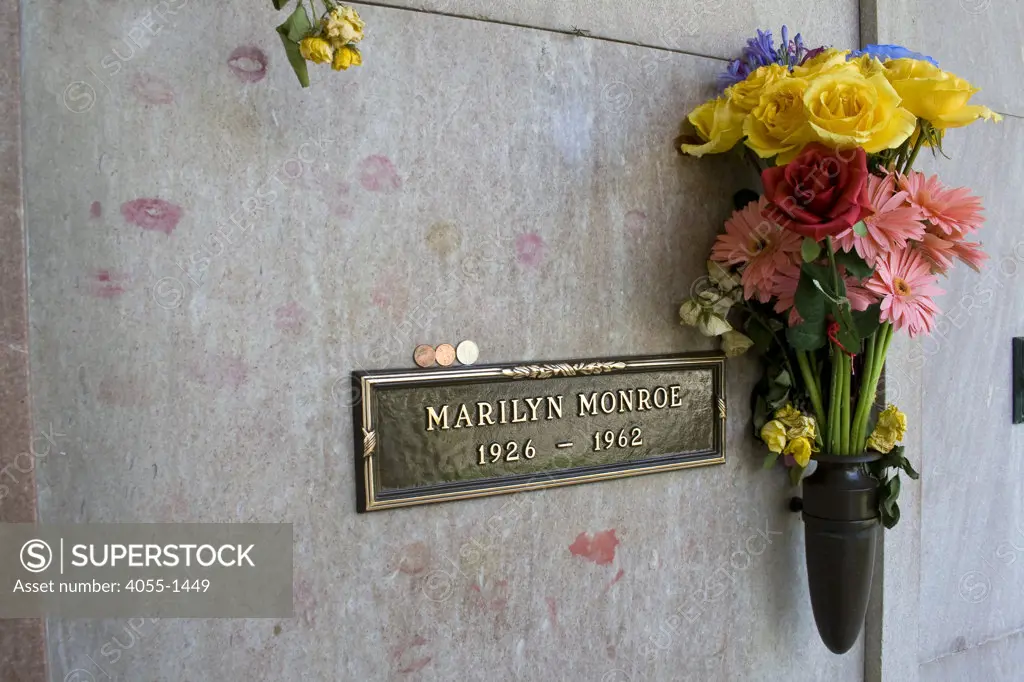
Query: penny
(424, 355)
(467, 352)
(445, 355)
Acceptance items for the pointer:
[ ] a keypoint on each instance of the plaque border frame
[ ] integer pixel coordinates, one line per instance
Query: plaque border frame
(366, 382)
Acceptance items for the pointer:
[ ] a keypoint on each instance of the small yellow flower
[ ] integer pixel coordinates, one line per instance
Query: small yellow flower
(798, 425)
(344, 24)
(867, 64)
(845, 109)
(774, 436)
(890, 430)
(747, 93)
(719, 123)
(935, 95)
(346, 56)
(829, 60)
(800, 450)
(316, 50)
(777, 126)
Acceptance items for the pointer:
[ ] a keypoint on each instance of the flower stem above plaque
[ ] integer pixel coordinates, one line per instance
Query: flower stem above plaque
(439, 435)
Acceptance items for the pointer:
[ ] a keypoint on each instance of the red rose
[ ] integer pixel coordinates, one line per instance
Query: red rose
(820, 193)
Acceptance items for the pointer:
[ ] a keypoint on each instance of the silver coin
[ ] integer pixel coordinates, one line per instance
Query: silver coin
(467, 352)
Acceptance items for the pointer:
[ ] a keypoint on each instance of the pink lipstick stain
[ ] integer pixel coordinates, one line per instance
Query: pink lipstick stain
(406, 664)
(152, 89)
(152, 214)
(248, 63)
(107, 284)
(290, 317)
(600, 548)
(636, 223)
(95, 209)
(617, 578)
(530, 249)
(378, 174)
(414, 558)
(222, 371)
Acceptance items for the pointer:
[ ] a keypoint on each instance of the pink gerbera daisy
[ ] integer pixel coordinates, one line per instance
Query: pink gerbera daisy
(950, 209)
(759, 246)
(941, 249)
(890, 222)
(906, 284)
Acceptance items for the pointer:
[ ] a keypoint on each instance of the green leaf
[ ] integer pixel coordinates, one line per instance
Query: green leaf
(810, 250)
(860, 229)
(891, 516)
(761, 415)
(770, 460)
(854, 264)
(867, 321)
(847, 334)
(297, 26)
(809, 335)
(279, 4)
(810, 302)
(292, 31)
(794, 474)
(759, 334)
(744, 197)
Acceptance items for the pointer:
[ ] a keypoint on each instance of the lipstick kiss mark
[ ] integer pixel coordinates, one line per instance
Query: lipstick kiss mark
(600, 548)
(152, 214)
(95, 210)
(249, 63)
(378, 174)
(152, 89)
(530, 249)
(107, 284)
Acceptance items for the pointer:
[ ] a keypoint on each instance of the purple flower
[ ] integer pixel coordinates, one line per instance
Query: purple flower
(884, 52)
(761, 51)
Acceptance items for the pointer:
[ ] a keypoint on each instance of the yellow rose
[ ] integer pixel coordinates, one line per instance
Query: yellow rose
(829, 60)
(719, 123)
(846, 109)
(778, 124)
(935, 95)
(867, 64)
(735, 344)
(746, 94)
(346, 56)
(316, 50)
(890, 430)
(800, 450)
(344, 24)
(788, 415)
(774, 436)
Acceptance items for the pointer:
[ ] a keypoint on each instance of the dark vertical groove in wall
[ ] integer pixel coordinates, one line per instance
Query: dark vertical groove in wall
(22, 641)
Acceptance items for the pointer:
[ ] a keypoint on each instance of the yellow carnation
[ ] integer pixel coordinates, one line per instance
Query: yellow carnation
(935, 95)
(719, 123)
(829, 60)
(778, 124)
(774, 436)
(344, 24)
(846, 109)
(800, 450)
(746, 94)
(316, 50)
(346, 56)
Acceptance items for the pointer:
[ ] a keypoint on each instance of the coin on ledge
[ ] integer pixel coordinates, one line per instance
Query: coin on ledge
(445, 355)
(424, 355)
(467, 352)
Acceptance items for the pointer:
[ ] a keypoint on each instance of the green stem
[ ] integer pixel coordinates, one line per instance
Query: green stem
(916, 150)
(869, 389)
(844, 427)
(857, 437)
(833, 406)
(813, 388)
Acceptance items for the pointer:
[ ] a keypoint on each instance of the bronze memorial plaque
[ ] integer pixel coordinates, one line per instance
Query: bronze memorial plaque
(449, 434)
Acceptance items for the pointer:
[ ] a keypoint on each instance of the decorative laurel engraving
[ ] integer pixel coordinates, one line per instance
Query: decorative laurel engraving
(369, 443)
(721, 408)
(562, 370)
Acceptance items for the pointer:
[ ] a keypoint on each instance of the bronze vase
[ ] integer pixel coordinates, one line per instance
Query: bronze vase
(841, 531)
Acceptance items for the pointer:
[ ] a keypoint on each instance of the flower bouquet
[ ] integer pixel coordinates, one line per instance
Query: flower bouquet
(841, 250)
(330, 39)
